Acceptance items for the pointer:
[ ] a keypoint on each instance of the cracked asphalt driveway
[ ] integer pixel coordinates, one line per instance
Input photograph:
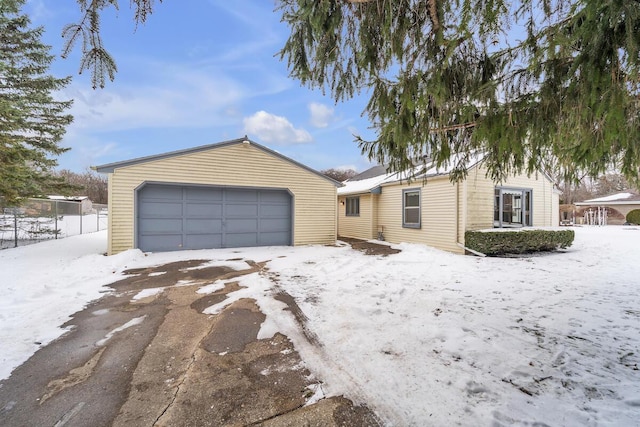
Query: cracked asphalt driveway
(160, 361)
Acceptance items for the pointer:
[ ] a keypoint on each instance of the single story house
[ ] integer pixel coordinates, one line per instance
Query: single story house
(231, 194)
(430, 209)
(617, 205)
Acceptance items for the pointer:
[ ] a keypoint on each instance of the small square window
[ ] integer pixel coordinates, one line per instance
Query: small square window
(411, 208)
(352, 206)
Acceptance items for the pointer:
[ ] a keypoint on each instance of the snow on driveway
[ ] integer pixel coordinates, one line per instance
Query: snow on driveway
(424, 337)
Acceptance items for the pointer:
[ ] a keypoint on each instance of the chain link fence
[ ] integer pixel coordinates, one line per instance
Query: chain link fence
(43, 219)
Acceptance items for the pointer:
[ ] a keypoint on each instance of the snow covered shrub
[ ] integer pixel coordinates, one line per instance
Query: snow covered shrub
(633, 217)
(518, 242)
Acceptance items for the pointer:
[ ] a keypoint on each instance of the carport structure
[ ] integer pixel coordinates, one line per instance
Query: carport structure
(620, 203)
(232, 194)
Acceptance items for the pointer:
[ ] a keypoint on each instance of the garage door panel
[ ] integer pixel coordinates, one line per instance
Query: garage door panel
(160, 225)
(239, 240)
(249, 225)
(204, 193)
(161, 242)
(163, 192)
(174, 217)
(203, 241)
(275, 225)
(160, 209)
(270, 196)
(241, 210)
(208, 210)
(282, 211)
(237, 195)
(204, 226)
(274, 239)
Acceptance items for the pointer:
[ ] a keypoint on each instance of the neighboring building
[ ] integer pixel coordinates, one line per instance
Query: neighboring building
(568, 215)
(617, 206)
(231, 194)
(437, 212)
(73, 205)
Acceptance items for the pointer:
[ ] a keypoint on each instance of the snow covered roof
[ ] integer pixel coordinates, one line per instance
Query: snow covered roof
(624, 198)
(68, 198)
(377, 176)
(365, 185)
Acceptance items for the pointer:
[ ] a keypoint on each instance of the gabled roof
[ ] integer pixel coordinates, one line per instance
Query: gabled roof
(370, 173)
(111, 167)
(372, 179)
(628, 197)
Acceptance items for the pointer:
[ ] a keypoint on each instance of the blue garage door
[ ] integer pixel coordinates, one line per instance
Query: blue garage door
(174, 217)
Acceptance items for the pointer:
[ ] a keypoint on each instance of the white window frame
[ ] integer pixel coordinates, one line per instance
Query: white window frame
(406, 208)
(521, 214)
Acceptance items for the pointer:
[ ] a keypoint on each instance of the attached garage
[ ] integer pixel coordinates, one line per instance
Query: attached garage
(232, 194)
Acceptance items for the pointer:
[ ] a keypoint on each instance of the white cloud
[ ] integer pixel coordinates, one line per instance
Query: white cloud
(277, 129)
(321, 115)
(194, 96)
(173, 95)
(185, 98)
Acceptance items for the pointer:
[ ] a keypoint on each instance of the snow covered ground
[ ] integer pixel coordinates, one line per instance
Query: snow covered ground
(424, 337)
(34, 229)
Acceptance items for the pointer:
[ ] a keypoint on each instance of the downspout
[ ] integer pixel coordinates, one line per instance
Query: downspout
(476, 253)
(374, 218)
(110, 204)
(337, 215)
(458, 213)
(465, 207)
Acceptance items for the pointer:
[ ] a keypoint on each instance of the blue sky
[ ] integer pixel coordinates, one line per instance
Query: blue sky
(198, 72)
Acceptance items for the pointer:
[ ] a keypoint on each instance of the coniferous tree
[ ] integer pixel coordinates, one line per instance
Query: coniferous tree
(32, 122)
(444, 78)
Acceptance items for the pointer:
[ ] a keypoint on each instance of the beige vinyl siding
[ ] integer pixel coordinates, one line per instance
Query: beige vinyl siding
(441, 214)
(438, 200)
(314, 198)
(358, 227)
(480, 198)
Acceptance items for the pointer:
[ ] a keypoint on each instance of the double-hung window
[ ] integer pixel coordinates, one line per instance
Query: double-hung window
(352, 206)
(411, 208)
